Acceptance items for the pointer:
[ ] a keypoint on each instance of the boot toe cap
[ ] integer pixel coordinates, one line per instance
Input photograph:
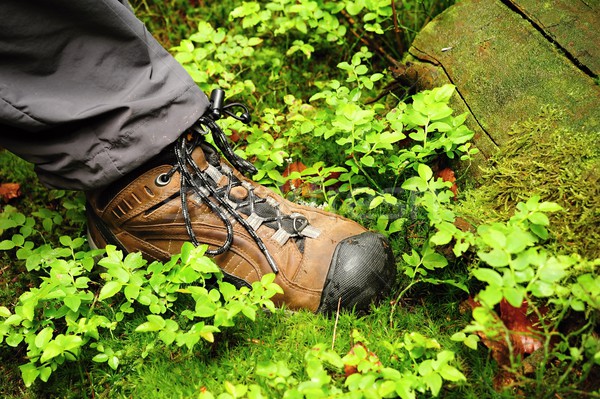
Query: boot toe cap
(362, 269)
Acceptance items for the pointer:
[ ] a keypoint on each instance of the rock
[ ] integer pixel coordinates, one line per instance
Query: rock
(512, 59)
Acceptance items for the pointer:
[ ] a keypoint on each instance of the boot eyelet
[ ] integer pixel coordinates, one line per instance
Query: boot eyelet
(162, 180)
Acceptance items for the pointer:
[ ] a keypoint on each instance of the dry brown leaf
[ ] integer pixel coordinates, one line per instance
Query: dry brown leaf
(10, 191)
(524, 328)
(447, 174)
(525, 338)
(293, 184)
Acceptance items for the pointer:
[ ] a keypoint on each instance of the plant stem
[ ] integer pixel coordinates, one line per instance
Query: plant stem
(399, 42)
(400, 295)
(373, 182)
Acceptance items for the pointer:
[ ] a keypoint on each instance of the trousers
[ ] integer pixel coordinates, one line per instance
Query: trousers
(86, 93)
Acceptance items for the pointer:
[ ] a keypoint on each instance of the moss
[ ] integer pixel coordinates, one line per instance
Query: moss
(560, 165)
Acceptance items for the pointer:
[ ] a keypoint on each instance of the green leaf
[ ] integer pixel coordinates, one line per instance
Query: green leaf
(518, 240)
(413, 259)
(110, 289)
(72, 302)
(414, 118)
(404, 389)
(131, 291)
(440, 127)
(361, 69)
(14, 339)
(47, 224)
(415, 183)
(438, 111)
(577, 305)
(443, 93)
(154, 323)
(541, 289)
(51, 350)
(471, 341)
(375, 202)
(532, 203)
(6, 245)
(249, 312)
(205, 308)
(29, 373)
(441, 237)
(184, 58)
(43, 337)
(424, 171)
(355, 7)
(434, 260)
(386, 389)
(514, 296)
(382, 222)
(396, 226)
(434, 383)
(168, 337)
(4, 311)
(495, 258)
(491, 295)
(539, 231)
(552, 271)
(539, 218)
(549, 207)
(451, 373)
(100, 358)
(367, 160)
(113, 362)
(65, 241)
(492, 236)
(489, 276)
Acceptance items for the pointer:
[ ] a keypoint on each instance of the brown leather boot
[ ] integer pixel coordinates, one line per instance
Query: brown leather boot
(189, 193)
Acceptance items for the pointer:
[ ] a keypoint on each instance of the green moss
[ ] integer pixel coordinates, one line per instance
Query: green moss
(560, 165)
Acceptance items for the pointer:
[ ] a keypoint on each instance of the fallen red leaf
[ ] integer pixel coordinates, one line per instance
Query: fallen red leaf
(350, 369)
(525, 330)
(497, 344)
(9, 191)
(447, 174)
(235, 136)
(525, 337)
(293, 184)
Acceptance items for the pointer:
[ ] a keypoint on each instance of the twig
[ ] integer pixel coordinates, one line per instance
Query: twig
(337, 317)
(399, 42)
(367, 42)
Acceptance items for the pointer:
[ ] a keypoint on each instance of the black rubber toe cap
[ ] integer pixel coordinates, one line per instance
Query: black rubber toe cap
(362, 270)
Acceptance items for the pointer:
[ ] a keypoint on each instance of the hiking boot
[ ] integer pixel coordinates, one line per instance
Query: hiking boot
(190, 193)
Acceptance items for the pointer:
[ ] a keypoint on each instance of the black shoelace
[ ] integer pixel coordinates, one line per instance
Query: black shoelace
(204, 184)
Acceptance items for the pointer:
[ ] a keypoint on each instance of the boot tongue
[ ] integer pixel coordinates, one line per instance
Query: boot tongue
(210, 155)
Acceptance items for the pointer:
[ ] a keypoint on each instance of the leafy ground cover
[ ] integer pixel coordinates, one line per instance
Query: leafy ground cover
(490, 300)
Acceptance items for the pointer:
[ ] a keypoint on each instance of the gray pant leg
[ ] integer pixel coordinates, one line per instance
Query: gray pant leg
(86, 94)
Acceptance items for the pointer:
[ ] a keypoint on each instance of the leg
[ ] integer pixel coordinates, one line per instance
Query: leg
(86, 93)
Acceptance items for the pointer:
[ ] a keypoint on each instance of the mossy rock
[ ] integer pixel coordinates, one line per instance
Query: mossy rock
(527, 73)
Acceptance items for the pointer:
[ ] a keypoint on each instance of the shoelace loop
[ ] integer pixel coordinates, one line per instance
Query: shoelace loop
(205, 184)
(197, 181)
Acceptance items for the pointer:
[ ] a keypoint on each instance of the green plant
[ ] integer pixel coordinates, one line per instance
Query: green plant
(516, 268)
(220, 57)
(369, 135)
(71, 306)
(419, 366)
